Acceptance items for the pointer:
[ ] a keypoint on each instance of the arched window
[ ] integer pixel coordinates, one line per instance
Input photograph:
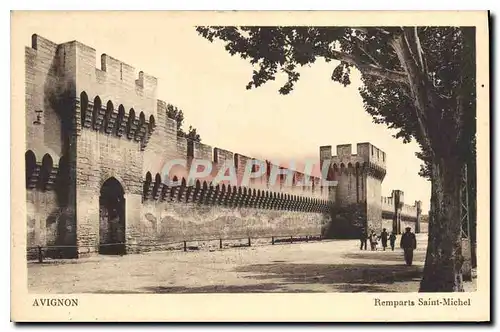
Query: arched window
(151, 124)
(47, 165)
(142, 120)
(223, 191)
(107, 116)
(342, 168)
(119, 119)
(130, 122)
(157, 184)
(182, 188)
(84, 104)
(30, 159)
(173, 187)
(95, 113)
(147, 183)
(333, 175)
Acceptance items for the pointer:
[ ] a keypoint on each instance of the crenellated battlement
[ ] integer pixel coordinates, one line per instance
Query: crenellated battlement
(108, 147)
(397, 212)
(197, 150)
(113, 68)
(241, 168)
(365, 152)
(115, 80)
(412, 210)
(387, 204)
(207, 193)
(396, 202)
(359, 176)
(367, 158)
(372, 154)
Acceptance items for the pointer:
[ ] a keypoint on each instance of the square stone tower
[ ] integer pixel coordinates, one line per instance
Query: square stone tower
(359, 179)
(87, 128)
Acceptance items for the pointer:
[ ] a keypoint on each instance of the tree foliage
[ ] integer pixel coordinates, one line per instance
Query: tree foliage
(449, 61)
(419, 81)
(176, 113)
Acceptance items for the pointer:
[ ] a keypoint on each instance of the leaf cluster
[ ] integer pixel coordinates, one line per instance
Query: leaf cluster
(177, 114)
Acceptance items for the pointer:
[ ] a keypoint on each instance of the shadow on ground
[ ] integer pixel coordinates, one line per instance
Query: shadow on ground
(353, 288)
(115, 292)
(387, 256)
(257, 288)
(301, 278)
(333, 273)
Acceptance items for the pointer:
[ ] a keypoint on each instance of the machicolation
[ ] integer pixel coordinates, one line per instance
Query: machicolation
(98, 141)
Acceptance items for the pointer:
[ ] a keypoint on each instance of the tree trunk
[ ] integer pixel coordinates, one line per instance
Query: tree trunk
(443, 263)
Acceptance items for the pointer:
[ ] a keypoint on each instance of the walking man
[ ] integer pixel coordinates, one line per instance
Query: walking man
(373, 240)
(383, 238)
(408, 244)
(392, 240)
(363, 238)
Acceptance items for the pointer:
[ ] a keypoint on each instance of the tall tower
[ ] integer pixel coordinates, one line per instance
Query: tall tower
(418, 204)
(399, 201)
(88, 127)
(359, 179)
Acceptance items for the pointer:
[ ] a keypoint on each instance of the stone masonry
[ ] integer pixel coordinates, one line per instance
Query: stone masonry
(97, 143)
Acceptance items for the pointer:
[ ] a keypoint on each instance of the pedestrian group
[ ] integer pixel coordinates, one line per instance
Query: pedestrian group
(408, 242)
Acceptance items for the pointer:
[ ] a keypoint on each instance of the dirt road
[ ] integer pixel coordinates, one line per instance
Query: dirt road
(326, 266)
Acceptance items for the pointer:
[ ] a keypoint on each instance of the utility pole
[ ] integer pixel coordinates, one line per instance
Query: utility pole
(465, 223)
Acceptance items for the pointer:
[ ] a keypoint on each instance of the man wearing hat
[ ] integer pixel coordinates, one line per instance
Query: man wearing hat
(408, 244)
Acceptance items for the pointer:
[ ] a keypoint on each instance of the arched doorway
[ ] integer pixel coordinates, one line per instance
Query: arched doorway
(112, 218)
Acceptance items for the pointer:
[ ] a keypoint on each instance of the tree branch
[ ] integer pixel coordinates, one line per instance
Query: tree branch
(365, 30)
(362, 49)
(369, 69)
(464, 87)
(416, 51)
(408, 62)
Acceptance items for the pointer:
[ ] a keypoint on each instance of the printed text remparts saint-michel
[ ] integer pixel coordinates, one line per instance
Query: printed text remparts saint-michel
(446, 301)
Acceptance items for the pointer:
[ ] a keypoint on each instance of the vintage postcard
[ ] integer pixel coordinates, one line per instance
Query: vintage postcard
(250, 166)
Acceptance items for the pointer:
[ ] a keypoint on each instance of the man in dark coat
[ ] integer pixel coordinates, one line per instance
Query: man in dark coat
(363, 238)
(383, 238)
(408, 244)
(392, 240)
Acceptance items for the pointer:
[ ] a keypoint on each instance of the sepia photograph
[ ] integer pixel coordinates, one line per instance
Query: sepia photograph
(230, 154)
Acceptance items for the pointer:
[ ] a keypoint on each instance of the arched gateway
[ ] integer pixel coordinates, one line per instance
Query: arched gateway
(112, 218)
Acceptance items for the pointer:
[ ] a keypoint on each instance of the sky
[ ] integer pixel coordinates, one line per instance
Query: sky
(208, 84)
